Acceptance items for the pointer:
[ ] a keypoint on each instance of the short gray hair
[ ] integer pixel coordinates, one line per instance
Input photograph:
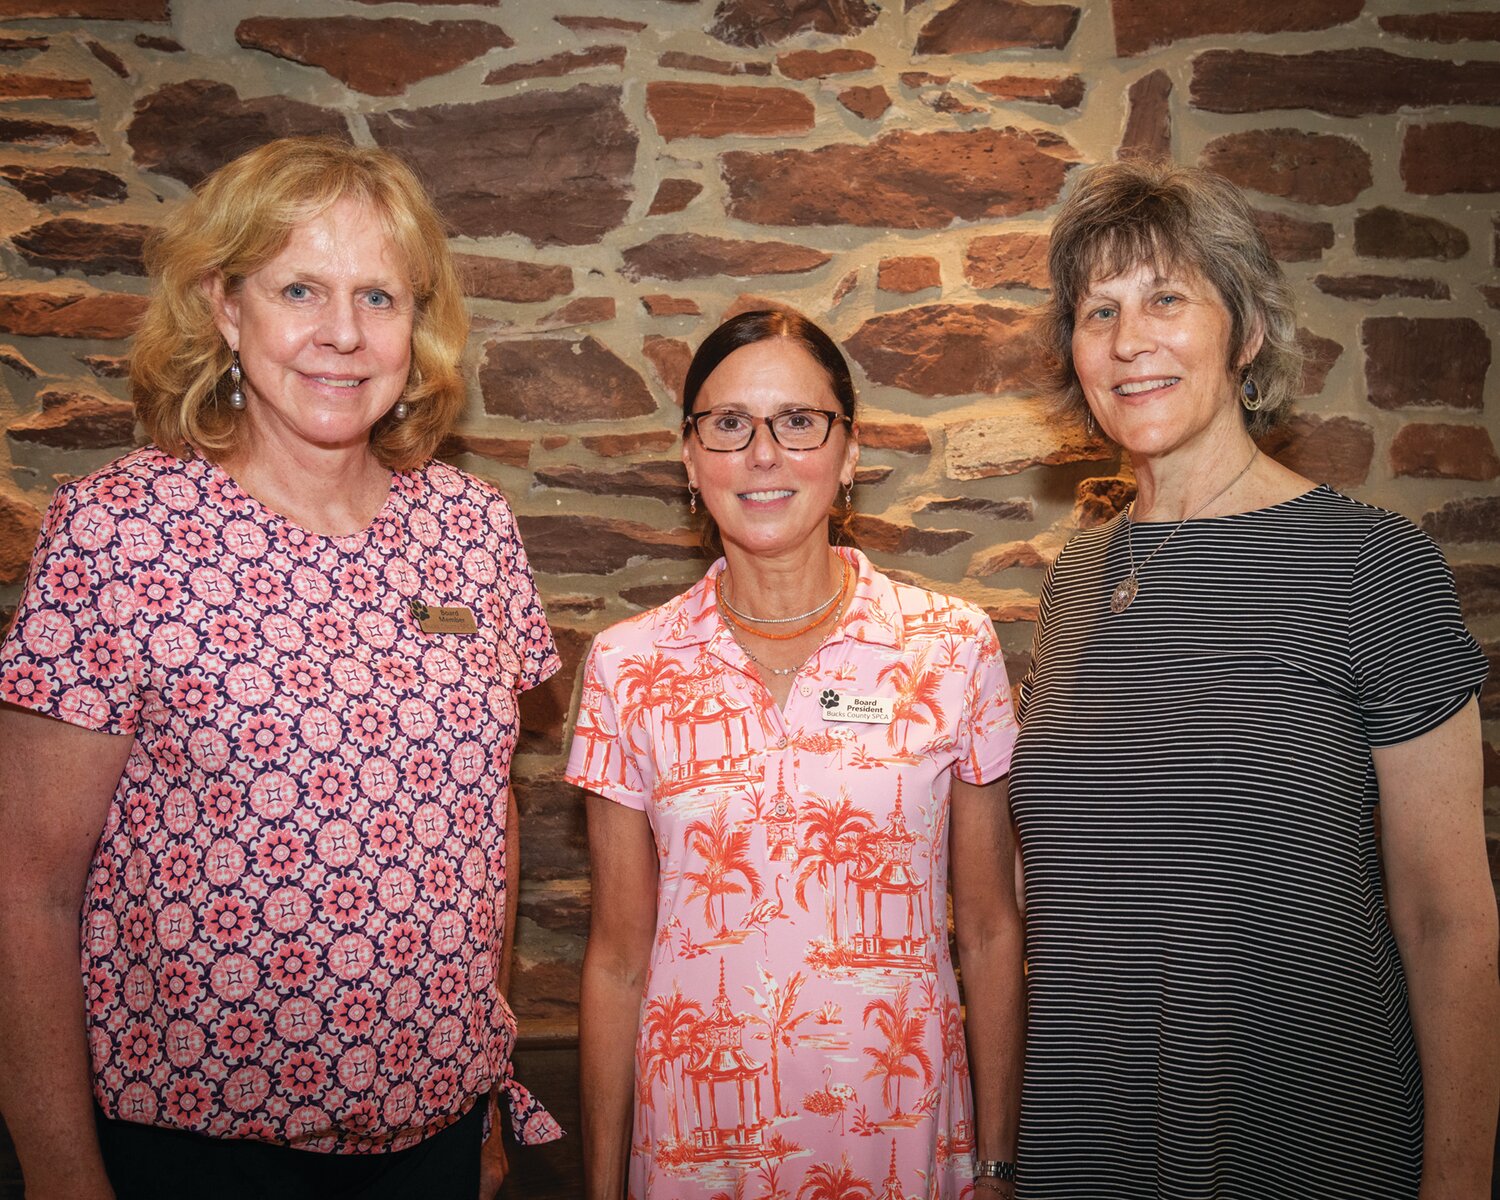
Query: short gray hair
(1123, 214)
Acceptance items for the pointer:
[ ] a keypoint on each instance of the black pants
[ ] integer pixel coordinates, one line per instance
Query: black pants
(148, 1163)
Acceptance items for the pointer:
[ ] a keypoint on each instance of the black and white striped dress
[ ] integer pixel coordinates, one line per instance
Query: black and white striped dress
(1217, 1005)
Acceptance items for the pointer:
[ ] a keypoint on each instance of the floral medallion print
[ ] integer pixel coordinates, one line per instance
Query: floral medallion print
(800, 1035)
(293, 917)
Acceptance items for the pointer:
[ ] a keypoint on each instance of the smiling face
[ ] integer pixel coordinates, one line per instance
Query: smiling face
(1151, 351)
(767, 500)
(323, 331)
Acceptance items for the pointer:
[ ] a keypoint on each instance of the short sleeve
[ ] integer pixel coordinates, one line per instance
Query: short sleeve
(70, 653)
(526, 631)
(987, 735)
(1415, 663)
(603, 758)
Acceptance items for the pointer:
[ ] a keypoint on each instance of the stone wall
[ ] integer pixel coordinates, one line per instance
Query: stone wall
(621, 174)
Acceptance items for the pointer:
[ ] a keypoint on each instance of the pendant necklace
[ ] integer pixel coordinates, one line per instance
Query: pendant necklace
(785, 671)
(1125, 591)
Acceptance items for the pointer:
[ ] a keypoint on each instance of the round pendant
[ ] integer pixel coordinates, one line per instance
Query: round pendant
(1124, 593)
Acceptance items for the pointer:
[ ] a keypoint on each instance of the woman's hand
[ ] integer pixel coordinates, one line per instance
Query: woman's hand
(493, 1165)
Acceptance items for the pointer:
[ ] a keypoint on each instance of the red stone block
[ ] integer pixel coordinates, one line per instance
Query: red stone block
(166, 45)
(659, 305)
(20, 524)
(559, 64)
(765, 22)
(24, 131)
(676, 60)
(22, 43)
(90, 10)
(1008, 557)
(46, 185)
(1478, 587)
(555, 167)
(1141, 25)
(511, 279)
(903, 437)
(1148, 127)
(669, 358)
(915, 273)
(1390, 233)
(1425, 361)
(1315, 168)
(820, 64)
(15, 86)
(1472, 519)
(673, 195)
(108, 57)
(1291, 239)
(664, 480)
(891, 537)
(867, 102)
(511, 452)
(1008, 260)
(979, 26)
(919, 79)
(96, 247)
(1454, 156)
(187, 130)
(1378, 287)
(1064, 91)
(695, 255)
(560, 381)
(946, 349)
(1341, 83)
(596, 24)
(68, 310)
(380, 57)
(1015, 436)
(625, 445)
(1319, 354)
(578, 544)
(904, 180)
(1332, 450)
(17, 362)
(73, 420)
(682, 110)
(1434, 451)
(1444, 26)
(586, 310)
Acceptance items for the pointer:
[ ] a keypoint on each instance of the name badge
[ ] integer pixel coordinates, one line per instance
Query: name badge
(866, 710)
(453, 618)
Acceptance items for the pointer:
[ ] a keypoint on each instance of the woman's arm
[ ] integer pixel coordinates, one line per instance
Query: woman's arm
(990, 949)
(56, 783)
(1442, 909)
(622, 923)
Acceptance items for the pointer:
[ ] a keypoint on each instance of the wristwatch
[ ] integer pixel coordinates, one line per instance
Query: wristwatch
(994, 1168)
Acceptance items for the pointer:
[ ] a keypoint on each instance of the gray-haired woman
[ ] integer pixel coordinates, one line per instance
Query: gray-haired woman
(1236, 989)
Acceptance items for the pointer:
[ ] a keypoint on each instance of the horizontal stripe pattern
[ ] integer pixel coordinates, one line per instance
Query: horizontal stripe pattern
(1217, 1005)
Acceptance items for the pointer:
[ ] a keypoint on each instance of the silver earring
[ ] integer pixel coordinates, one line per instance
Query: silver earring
(1250, 395)
(237, 396)
(849, 495)
(1090, 426)
(400, 411)
(692, 500)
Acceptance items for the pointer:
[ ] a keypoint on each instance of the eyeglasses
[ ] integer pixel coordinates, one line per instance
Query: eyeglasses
(724, 431)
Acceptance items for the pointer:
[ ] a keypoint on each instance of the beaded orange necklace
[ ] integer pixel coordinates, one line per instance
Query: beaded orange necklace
(776, 637)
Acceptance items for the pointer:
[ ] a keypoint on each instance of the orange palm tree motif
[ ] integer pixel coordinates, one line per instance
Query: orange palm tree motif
(902, 1030)
(649, 680)
(955, 1048)
(825, 1182)
(725, 853)
(917, 688)
(833, 829)
(778, 1013)
(668, 1030)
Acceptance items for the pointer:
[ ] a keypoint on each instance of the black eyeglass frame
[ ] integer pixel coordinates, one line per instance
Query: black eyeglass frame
(834, 417)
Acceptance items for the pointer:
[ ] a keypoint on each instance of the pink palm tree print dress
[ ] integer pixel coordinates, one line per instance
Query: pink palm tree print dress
(800, 1033)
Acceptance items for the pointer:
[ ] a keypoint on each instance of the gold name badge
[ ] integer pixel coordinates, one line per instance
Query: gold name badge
(453, 618)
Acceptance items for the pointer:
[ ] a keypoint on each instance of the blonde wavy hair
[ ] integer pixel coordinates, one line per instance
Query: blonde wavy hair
(240, 218)
(1124, 214)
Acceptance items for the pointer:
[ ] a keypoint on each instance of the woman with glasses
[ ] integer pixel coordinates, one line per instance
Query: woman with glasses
(779, 761)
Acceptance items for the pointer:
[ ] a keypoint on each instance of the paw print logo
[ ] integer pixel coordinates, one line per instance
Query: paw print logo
(419, 611)
(829, 698)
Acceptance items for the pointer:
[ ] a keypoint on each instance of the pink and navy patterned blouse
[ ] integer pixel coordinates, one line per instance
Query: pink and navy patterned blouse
(293, 918)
